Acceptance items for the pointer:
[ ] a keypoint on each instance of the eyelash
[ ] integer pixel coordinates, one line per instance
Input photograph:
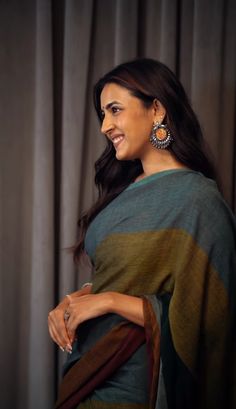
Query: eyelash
(113, 109)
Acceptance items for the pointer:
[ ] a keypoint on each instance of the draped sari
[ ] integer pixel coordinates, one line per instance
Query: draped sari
(169, 239)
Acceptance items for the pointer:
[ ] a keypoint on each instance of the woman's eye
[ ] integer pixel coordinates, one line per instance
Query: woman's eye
(114, 110)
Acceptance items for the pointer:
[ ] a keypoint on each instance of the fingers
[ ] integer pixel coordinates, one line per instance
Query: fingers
(63, 332)
(75, 317)
(84, 290)
(69, 298)
(81, 309)
(57, 329)
(87, 289)
(53, 336)
(71, 325)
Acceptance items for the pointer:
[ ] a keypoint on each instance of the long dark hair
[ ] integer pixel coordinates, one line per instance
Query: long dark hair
(147, 80)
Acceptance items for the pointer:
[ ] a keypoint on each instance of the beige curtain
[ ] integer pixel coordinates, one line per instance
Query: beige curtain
(51, 54)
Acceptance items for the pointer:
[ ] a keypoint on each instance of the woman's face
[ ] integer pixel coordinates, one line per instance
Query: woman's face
(126, 122)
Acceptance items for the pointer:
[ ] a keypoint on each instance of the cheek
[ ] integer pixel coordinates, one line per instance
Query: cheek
(143, 121)
(120, 124)
(143, 129)
(133, 126)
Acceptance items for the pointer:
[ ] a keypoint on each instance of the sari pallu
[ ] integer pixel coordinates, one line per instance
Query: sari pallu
(170, 239)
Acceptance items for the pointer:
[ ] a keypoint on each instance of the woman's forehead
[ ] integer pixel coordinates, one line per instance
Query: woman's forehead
(114, 93)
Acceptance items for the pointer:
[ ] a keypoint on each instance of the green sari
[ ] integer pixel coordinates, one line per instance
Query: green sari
(170, 239)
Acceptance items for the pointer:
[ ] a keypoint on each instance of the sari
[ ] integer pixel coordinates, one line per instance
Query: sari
(170, 239)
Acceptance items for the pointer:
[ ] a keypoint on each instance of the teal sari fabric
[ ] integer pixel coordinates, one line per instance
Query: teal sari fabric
(170, 239)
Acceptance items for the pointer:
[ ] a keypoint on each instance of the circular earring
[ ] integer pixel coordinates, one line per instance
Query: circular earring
(160, 137)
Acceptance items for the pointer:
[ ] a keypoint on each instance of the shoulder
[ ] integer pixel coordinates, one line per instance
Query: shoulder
(198, 191)
(208, 210)
(202, 194)
(197, 202)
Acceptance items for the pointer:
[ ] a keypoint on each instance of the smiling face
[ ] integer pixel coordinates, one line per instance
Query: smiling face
(127, 123)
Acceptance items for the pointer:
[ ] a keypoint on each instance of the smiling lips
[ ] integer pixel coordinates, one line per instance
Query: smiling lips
(117, 140)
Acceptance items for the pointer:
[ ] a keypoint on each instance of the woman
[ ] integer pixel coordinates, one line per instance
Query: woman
(154, 327)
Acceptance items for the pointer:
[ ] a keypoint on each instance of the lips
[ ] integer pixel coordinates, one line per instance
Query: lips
(117, 139)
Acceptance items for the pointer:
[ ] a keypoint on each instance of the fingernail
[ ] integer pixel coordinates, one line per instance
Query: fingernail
(62, 349)
(69, 347)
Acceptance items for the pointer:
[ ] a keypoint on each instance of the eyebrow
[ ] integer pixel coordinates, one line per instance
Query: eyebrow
(110, 104)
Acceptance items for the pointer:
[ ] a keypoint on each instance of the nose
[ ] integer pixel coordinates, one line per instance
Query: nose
(107, 124)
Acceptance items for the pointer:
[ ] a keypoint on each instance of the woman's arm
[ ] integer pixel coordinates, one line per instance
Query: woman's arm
(90, 306)
(127, 306)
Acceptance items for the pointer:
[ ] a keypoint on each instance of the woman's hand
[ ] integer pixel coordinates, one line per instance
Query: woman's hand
(56, 321)
(84, 308)
(90, 306)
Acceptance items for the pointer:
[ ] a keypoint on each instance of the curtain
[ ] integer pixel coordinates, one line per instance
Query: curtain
(51, 54)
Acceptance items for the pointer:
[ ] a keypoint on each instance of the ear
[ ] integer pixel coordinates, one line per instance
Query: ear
(159, 111)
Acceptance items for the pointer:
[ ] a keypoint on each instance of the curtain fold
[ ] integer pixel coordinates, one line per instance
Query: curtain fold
(76, 66)
(51, 54)
(40, 351)
(27, 204)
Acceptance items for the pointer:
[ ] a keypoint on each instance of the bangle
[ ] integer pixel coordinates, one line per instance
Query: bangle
(86, 285)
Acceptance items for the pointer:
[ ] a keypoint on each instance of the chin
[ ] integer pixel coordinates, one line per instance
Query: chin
(120, 156)
(127, 156)
(123, 153)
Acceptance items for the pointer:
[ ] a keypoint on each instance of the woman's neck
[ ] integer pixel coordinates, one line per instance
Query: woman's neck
(158, 162)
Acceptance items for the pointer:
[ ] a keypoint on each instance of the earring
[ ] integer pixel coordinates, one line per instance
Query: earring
(160, 137)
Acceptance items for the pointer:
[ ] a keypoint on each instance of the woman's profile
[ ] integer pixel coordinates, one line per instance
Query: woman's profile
(152, 329)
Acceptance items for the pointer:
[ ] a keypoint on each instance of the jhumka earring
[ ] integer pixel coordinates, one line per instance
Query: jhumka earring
(160, 137)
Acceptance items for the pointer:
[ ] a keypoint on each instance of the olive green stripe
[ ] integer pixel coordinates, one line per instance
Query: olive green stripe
(127, 263)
